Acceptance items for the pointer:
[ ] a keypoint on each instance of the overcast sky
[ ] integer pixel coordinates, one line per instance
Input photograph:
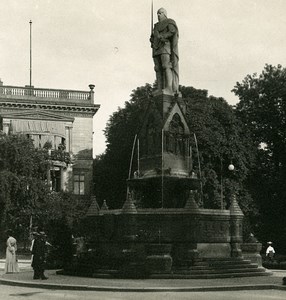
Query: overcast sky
(106, 42)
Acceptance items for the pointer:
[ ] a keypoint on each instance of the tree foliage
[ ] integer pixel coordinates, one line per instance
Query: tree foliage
(112, 168)
(22, 172)
(262, 109)
(24, 192)
(221, 140)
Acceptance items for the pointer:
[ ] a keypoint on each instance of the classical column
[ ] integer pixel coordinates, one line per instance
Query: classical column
(63, 178)
(70, 139)
(67, 133)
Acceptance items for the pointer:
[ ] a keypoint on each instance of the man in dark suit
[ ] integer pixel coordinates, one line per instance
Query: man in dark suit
(39, 251)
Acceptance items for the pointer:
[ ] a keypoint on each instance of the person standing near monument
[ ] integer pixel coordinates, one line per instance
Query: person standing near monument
(11, 264)
(39, 249)
(164, 42)
(270, 252)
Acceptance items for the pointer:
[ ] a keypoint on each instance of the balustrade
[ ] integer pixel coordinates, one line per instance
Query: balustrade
(10, 91)
(60, 155)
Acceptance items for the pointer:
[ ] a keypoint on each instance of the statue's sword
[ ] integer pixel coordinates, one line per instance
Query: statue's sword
(151, 17)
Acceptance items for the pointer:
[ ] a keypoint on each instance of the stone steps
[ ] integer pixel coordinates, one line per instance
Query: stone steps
(227, 261)
(206, 267)
(220, 268)
(201, 269)
(219, 271)
(106, 274)
(209, 276)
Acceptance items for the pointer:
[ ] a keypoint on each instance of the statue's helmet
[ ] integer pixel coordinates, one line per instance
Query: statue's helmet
(162, 10)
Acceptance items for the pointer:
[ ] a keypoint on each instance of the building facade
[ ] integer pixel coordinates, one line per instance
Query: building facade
(60, 121)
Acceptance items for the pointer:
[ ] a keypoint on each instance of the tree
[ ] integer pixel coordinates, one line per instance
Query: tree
(111, 169)
(262, 109)
(22, 182)
(24, 191)
(220, 136)
(61, 213)
(221, 140)
(22, 172)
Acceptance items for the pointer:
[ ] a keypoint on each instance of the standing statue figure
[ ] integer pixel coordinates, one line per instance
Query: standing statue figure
(164, 42)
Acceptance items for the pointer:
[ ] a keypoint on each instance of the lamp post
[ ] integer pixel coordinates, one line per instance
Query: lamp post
(233, 189)
(236, 218)
(231, 167)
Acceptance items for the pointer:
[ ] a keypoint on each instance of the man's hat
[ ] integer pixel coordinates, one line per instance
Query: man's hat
(269, 243)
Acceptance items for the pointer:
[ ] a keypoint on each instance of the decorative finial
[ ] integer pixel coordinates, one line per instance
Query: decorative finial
(91, 86)
(104, 206)
(128, 206)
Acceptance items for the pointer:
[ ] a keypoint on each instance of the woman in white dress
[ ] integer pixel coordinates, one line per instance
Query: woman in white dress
(11, 265)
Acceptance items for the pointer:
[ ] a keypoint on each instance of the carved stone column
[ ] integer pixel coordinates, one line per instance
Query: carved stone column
(236, 217)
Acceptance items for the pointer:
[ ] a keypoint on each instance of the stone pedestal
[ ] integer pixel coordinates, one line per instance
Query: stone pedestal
(158, 258)
(185, 254)
(251, 251)
(235, 250)
(133, 266)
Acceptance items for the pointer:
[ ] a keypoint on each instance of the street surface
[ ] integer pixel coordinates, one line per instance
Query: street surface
(8, 292)
(15, 293)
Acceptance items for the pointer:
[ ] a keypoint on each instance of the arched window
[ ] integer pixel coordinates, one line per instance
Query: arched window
(175, 140)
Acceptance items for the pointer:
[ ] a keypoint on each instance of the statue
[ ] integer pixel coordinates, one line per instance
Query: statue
(164, 42)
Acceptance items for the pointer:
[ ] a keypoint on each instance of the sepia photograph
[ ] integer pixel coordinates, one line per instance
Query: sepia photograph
(142, 149)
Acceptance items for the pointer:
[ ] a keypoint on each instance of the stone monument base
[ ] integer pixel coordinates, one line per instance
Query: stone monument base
(164, 243)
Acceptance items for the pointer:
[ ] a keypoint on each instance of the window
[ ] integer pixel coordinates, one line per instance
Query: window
(78, 183)
(56, 179)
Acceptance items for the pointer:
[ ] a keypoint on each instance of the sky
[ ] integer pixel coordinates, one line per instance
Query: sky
(106, 43)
